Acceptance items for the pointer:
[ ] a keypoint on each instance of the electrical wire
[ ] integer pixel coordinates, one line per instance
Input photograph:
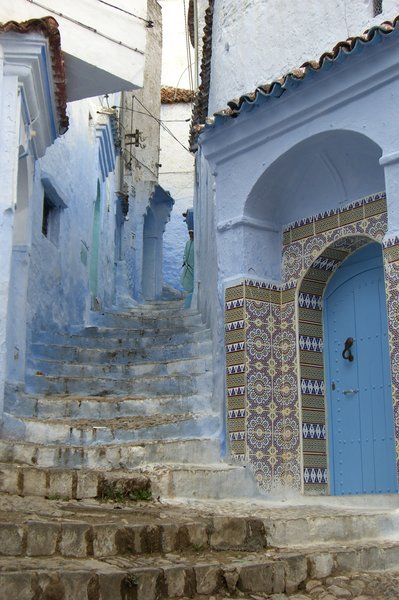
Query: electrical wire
(147, 21)
(92, 29)
(141, 163)
(160, 121)
(162, 125)
(131, 155)
(141, 112)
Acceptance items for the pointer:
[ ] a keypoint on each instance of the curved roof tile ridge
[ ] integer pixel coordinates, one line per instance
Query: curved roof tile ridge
(48, 26)
(174, 95)
(277, 86)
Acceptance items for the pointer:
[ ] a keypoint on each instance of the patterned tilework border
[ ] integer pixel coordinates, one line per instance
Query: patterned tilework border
(337, 217)
(235, 370)
(263, 408)
(273, 435)
(321, 254)
(265, 422)
(391, 259)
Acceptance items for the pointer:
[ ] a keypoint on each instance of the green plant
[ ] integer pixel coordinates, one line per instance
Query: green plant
(111, 493)
(130, 580)
(140, 495)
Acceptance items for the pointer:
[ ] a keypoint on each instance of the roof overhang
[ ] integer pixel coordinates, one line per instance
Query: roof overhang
(103, 42)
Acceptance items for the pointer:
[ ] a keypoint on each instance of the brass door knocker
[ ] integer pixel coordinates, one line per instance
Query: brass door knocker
(347, 354)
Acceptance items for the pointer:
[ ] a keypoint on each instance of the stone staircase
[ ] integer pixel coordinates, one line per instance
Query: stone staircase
(54, 550)
(112, 487)
(128, 398)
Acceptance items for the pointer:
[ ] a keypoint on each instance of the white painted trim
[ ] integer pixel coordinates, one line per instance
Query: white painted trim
(250, 221)
(28, 59)
(389, 159)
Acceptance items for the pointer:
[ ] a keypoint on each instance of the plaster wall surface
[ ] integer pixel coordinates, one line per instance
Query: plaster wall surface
(244, 151)
(9, 132)
(177, 172)
(260, 171)
(141, 111)
(255, 42)
(177, 176)
(208, 287)
(89, 30)
(58, 292)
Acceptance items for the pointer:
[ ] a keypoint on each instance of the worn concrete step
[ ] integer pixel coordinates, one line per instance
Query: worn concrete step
(81, 530)
(165, 577)
(20, 404)
(97, 386)
(121, 355)
(215, 481)
(78, 432)
(110, 456)
(102, 535)
(67, 484)
(157, 319)
(191, 365)
(112, 338)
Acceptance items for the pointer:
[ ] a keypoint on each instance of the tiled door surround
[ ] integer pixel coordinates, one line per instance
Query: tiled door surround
(274, 348)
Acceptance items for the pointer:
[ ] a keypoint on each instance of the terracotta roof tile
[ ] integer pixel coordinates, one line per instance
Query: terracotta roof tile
(48, 26)
(277, 87)
(200, 108)
(172, 95)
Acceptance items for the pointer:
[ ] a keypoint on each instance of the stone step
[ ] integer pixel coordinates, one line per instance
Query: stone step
(153, 528)
(113, 338)
(213, 481)
(79, 432)
(197, 573)
(20, 404)
(120, 355)
(145, 319)
(196, 481)
(67, 484)
(99, 386)
(192, 365)
(110, 456)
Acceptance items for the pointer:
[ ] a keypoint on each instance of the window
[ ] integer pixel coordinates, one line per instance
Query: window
(377, 7)
(50, 220)
(53, 206)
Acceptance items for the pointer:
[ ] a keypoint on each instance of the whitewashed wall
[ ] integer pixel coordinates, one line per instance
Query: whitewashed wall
(257, 41)
(50, 276)
(177, 176)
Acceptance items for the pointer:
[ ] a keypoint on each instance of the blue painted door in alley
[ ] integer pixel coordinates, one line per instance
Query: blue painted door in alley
(358, 378)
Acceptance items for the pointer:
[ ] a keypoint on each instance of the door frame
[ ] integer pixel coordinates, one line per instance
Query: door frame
(313, 409)
(340, 277)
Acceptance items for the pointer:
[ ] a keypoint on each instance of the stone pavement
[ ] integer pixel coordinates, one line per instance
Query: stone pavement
(352, 586)
(88, 550)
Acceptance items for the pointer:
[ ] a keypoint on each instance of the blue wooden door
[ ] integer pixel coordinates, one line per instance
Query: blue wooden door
(359, 398)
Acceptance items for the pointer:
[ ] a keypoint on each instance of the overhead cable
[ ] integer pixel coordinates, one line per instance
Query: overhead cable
(88, 27)
(160, 121)
(148, 22)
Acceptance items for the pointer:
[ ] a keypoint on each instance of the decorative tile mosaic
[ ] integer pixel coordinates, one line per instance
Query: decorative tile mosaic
(235, 370)
(276, 412)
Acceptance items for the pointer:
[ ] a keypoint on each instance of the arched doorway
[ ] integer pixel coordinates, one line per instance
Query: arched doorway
(361, 441)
